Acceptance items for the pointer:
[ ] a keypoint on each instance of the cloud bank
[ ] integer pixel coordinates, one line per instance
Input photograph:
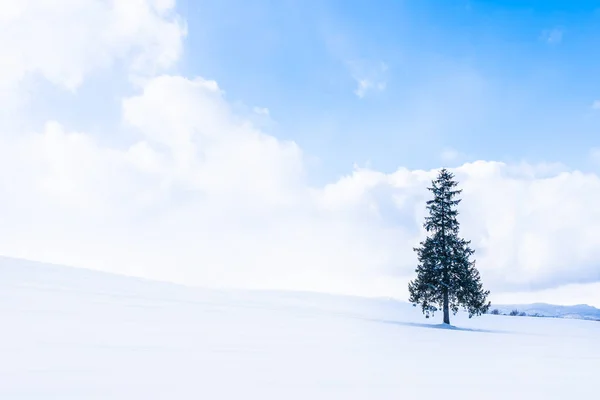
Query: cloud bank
(199, 195)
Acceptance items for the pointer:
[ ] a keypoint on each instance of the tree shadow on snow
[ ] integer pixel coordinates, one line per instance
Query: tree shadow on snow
(439, 326)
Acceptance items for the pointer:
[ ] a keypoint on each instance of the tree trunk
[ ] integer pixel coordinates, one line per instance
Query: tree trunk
(446, 308)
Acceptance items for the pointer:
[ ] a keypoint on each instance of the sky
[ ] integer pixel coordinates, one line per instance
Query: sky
(289, 144)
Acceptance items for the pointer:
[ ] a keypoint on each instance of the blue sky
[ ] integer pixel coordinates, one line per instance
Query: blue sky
(494, 80)
(214, 143)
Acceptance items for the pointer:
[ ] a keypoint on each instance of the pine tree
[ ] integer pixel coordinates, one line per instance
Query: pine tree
(446, 277)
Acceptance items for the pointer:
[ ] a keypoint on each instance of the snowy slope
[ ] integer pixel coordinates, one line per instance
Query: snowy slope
(75, 334)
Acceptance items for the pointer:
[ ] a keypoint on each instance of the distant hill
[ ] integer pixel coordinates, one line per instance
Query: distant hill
(580, 311)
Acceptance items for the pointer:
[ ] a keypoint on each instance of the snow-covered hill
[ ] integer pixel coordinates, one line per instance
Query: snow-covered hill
(580, 311)
(76, 334)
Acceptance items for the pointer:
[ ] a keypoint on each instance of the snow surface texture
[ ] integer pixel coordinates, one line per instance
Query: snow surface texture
(76, 334)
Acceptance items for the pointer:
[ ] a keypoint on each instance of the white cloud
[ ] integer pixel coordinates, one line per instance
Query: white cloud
(573, 294)
(65, 40)
(365, 85)
(202, 196)
(449, 154)
(369, 76)
(596, 105)
(261, 110)
(209, 149)
(553, 36)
